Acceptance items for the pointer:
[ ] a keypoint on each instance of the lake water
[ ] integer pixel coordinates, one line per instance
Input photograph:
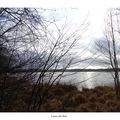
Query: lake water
(84, 79)
(87, 79)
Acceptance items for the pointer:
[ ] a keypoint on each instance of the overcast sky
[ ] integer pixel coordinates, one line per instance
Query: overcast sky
(76, 9)
(96, 8)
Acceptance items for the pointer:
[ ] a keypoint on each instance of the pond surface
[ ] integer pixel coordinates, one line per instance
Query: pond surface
(87, 79)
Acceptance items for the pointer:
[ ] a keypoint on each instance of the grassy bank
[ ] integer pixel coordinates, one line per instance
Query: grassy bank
(60, 98)
(68, 98)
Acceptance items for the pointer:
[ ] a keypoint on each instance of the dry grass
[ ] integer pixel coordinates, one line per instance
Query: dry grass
(99, 99)
(61, 97)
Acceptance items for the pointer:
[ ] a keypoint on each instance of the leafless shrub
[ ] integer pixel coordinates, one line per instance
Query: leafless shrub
(30, 47)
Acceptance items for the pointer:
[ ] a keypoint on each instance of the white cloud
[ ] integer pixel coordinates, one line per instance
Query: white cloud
(96, 9)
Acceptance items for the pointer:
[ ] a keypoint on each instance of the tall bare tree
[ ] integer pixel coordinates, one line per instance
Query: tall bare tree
(110, 46)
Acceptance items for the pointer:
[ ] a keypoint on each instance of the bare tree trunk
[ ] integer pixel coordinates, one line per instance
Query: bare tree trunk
(116, 72)
(109, 47)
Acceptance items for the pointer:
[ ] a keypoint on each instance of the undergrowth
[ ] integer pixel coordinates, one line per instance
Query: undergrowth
(60, 97)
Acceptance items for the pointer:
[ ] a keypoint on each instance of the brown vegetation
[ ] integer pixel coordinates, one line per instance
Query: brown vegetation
(99, 99)
(60, 98)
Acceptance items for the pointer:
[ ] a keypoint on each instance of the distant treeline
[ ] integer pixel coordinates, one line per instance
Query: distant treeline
(62, 70)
